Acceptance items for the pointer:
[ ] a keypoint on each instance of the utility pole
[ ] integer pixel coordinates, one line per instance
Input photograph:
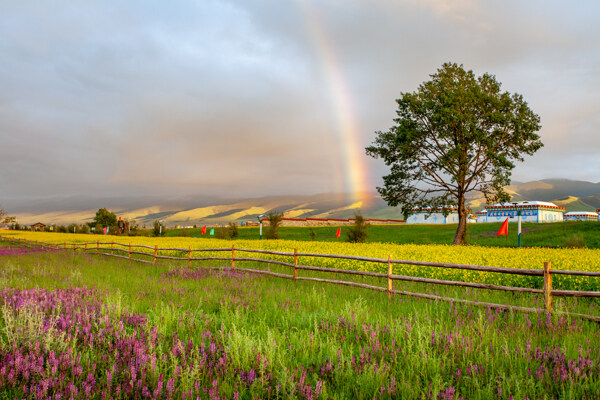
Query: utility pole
(519, 229)
(518, 213)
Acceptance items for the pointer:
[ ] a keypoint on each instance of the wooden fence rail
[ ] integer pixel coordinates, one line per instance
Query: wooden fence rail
(547, 272)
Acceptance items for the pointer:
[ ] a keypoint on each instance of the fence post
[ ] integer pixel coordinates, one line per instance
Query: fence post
(295, 264)
(111, 247)
(389, 274)
(130, 250)
(155, 251)
(85, 247)
(190, 257)
(233, 256)
(65, 245)
(547, 287)
(74, 248)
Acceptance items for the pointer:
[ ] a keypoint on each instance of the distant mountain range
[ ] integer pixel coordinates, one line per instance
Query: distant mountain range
(573, 195)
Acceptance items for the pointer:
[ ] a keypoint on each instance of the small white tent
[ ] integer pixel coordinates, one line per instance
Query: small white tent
(581, 216)
(435, 216)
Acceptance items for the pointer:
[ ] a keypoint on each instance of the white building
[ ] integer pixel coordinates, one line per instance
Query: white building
(581, 216)
(531, 211)
(481, 216)
(433, 217)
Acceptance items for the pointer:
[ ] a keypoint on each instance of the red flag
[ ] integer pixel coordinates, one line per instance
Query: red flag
(204, 230)
(503, 229)
(338, 232)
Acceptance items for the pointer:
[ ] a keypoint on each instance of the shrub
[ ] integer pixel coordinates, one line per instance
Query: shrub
(274, 224)
(61, 229)
(83, 229)
(222, 233)
(72, 228)
(357, 233)
(575, 241)
(156, 228)
(233, 230)
(185, 233)
(312, 233)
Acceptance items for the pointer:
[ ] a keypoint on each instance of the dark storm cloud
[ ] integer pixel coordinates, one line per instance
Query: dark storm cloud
(232, 98)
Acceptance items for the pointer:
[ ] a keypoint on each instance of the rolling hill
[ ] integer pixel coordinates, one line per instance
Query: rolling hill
(573, 195)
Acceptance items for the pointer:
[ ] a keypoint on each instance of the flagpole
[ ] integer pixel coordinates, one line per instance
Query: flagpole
(261, 224)
(519, 229)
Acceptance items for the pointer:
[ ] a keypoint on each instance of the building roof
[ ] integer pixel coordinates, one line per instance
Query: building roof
(525, 204)
(528, 203)
(581, 213)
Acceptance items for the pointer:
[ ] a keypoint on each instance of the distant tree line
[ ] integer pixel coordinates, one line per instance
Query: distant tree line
(103, 219)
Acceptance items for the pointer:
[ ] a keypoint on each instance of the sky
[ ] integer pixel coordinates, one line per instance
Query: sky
(248, 98)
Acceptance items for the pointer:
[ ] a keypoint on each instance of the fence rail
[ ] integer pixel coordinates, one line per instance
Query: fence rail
(127, 251)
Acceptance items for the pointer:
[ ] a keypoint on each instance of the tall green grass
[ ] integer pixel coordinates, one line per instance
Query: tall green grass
(282, 339)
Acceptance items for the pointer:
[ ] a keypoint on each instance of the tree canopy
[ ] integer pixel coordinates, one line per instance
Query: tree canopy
(5, 218)
(456, 134)
(105, 218)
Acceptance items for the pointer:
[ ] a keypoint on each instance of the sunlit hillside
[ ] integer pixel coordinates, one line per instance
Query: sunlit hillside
(573, 195)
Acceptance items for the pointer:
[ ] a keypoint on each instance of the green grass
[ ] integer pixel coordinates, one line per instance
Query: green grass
(352, 342)
(534, 235)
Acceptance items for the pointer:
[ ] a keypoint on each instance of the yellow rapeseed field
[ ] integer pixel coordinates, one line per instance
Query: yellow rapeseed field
(525, 258)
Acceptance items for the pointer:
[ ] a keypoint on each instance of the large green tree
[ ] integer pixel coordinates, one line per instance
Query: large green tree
(456, 134)
(105, 218)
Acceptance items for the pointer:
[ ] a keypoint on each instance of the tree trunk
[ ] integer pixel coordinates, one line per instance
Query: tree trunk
(461, 231)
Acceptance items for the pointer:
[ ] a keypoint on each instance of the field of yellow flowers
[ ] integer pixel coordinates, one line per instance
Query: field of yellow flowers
(525, 258)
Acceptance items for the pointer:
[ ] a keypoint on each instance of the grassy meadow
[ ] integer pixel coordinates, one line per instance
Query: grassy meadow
(564, 234)
(85, 326)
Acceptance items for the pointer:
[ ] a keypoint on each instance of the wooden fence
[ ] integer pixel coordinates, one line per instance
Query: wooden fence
(129, 251)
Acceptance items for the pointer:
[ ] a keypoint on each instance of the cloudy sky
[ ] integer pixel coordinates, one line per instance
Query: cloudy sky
(245, 98)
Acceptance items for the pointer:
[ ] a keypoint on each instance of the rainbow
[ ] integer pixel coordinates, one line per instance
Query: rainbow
(353, 168)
